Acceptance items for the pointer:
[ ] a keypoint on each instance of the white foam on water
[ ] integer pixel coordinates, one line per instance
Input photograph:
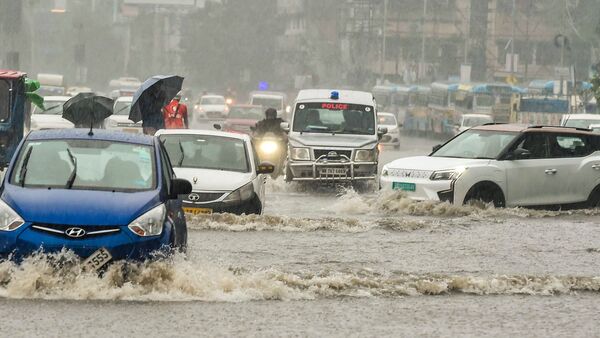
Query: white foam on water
(60, 276)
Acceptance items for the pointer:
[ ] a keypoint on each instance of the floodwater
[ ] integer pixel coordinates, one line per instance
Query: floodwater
(332, 263)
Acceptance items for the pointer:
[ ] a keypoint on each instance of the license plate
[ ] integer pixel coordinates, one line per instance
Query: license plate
(131, 130)
(333, 171)
(97, 260)
(404, 186)
(198, 211)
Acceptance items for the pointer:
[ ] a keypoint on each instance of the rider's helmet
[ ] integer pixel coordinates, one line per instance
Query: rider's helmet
(271, 114)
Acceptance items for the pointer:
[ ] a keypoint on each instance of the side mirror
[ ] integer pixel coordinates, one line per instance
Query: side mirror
(265, 168)
(285, 126)
(520, 154)
(180, 187)
(217, 126)
(436, 148)
(381, 131)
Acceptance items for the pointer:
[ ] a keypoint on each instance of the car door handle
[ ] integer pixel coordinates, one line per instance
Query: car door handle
(550, 171)
(596, 167)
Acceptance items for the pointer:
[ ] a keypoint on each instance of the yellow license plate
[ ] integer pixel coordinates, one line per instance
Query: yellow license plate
(198, 211)
(131, 130)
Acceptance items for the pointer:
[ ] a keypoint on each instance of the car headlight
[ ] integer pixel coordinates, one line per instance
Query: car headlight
(385, 172)
(300, 154)
(150, 223)
(242, 194)
(268, 147)
(111, 123)
(9, 219)
(446, 175)
(366, 155)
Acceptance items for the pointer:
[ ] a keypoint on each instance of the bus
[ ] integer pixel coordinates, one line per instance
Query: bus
(441, 107)
(392, 98)
(501, 101)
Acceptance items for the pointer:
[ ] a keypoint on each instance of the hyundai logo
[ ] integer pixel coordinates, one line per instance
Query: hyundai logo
(194, 197)
(75, 232)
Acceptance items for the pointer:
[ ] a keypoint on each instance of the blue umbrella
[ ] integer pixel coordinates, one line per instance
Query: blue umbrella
(152, 96)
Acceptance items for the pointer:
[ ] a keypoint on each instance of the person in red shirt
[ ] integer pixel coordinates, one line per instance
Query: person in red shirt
(175, 114)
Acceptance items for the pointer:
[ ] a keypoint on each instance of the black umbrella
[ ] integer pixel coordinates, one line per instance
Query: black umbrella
(152, 96)
(87, 109)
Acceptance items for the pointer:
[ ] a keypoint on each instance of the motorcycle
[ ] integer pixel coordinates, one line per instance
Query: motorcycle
(272, 148)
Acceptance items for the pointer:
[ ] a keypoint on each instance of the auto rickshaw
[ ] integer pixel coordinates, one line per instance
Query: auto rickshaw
(15, 115)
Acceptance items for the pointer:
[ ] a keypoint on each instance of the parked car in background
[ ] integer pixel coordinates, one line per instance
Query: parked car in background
(211, 107)
(242, 118)
(51, 116)
(223, 167)
(275, 100)
(392, 138)
(472, 120)
(106, 196)
(119, 120)
(580, 120)
(507, 165)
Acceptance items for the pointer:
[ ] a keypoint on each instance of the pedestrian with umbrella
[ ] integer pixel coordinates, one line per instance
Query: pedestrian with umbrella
(88, 110)
(149, 100)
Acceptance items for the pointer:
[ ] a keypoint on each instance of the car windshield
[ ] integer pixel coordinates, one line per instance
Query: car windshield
(336, 118)
(480, 144)
(581, 123)
(207, 152)
(85, 165)
(212, 100)
(387, 120)
(249, 113)
(474, 121)
(268, 102)
(122, 108)
(52, 107)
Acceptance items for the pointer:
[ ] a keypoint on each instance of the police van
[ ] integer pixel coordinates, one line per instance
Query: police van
(333, 137)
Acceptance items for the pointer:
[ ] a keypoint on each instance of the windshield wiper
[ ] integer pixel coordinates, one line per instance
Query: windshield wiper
(58, 105)
(182, 155)
(73, 175)
(23, 173)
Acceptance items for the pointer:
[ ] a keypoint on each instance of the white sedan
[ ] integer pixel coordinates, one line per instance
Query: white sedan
(51, 116)
(119, 120)
(223, 168)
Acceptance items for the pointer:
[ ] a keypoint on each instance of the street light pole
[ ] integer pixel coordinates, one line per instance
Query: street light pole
(422, 64)
(512, 42)
(383, 43)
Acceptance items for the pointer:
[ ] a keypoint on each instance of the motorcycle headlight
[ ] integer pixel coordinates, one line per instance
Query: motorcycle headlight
(365, 155)
(150, 223)
(9, 219)
(446, 175)
(300, 154)
(242, 194)
(268, 147)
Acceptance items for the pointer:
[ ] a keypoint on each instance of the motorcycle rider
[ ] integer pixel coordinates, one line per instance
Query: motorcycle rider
(270, 124)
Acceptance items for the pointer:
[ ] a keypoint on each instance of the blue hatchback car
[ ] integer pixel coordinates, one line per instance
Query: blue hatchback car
(106, 196)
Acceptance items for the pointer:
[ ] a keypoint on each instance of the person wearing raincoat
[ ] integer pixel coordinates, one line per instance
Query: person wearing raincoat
(175, 114)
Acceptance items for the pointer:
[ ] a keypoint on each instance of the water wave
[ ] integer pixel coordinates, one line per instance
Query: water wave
(60, 276)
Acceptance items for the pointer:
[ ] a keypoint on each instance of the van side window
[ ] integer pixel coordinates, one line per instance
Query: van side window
(565, 145)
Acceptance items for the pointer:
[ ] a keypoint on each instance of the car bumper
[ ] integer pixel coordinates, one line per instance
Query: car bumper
(325, 171)
(425, 189)
(122, 244)
(236, 207)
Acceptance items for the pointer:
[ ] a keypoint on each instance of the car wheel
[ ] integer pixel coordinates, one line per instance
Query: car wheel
(594, 199)
(486, 192)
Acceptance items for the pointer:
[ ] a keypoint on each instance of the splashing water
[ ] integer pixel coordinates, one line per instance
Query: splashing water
(177, 279)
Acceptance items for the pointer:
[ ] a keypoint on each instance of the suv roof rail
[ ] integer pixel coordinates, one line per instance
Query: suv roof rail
(565, 127)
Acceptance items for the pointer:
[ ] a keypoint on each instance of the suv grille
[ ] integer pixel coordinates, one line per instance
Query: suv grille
(325, 152)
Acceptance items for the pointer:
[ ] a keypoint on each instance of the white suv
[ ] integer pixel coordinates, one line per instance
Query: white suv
(507, 165)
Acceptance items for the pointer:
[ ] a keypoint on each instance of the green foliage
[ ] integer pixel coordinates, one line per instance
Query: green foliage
(30, 87)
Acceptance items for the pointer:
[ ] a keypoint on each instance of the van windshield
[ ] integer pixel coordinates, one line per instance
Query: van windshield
(335, 118)
(268, 102)
(85, 165)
